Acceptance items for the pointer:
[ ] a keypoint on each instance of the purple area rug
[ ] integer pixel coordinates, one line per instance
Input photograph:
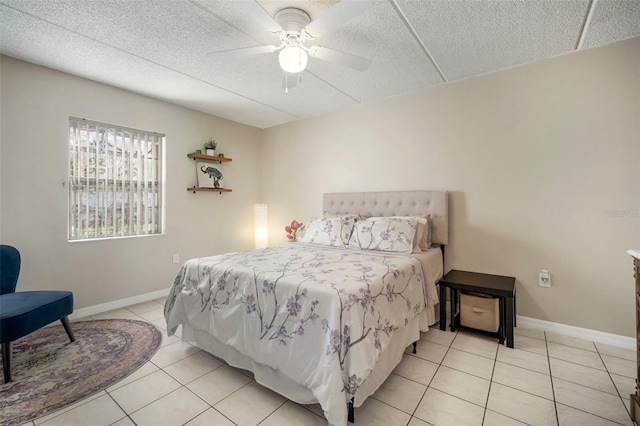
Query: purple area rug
(49, 372)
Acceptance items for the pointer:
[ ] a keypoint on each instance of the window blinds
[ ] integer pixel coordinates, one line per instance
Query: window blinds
(115, 181)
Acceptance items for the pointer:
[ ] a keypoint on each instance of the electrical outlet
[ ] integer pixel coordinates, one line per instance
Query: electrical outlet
(176, 257)
(544, 278)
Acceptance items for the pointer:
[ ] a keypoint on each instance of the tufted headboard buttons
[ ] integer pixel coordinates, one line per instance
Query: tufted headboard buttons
(434, 204)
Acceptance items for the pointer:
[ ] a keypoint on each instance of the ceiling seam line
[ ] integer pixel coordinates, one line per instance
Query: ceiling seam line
(151, 62)
(331, 85)
(585, 24)
(220, 18)
(417, 38)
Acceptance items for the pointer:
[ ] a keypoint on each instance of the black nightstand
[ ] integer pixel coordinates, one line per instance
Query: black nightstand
(498, 286)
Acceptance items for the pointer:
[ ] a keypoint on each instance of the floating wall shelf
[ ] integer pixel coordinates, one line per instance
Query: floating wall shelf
(195, 157)
(220, 190)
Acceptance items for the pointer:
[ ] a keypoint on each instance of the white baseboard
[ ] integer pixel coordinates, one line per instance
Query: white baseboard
(582, 333)
(570, 330)
(121, 303)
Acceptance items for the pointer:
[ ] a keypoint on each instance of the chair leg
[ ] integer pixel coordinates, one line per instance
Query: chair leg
(6, 361)
(67, 328)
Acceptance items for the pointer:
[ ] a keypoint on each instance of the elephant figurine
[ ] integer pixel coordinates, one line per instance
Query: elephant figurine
(213, 173)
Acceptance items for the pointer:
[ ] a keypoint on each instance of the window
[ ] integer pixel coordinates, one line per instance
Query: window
(115, 181)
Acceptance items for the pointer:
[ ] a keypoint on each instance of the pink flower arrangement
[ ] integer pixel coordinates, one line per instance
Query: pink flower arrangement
(292, 230)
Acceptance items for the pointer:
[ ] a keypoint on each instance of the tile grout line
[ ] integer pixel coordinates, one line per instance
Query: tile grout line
(576, 363)
(491, 380)
(411, 380)
(593, 352)
(271, 413)
(235, 391)
(147, 404)
(453, 368)
(310, 410)
(175, 390)
(185, 386)
(394, 407)
(191, 381)
(146, 375)
(591, 414)
(432, 377)
(578, 384)
(125, 413)
(553, 390)
(414, 381)
(612, 381)
(181, 359)
(218, 411)
(412, 415)
(524, 368)
(523, 391)
(589, 387)
(66, 409)
(486, 402)
(201, 399)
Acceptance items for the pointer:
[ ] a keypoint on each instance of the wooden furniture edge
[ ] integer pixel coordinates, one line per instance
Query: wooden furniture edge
(195, 156)
(220, 190)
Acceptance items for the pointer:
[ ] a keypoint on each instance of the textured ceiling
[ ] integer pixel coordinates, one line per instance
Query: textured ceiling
(159, 47)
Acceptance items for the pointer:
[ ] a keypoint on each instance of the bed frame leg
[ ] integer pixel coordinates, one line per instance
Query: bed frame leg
(415, 347)
(351, 416)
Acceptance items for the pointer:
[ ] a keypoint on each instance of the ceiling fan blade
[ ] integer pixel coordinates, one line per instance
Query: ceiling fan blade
(243, 51)
(352, 61)
(336, 16)
(260, 15)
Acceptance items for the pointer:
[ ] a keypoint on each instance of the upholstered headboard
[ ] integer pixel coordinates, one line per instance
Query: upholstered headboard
(396, 203)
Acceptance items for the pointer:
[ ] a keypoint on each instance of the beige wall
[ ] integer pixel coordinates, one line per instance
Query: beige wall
(533, 157)
(36, 103)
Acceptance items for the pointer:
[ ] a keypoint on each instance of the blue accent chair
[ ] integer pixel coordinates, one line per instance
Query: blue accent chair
(24, 312)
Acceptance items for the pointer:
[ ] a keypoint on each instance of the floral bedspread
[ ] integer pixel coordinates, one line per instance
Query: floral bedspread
(321, 316)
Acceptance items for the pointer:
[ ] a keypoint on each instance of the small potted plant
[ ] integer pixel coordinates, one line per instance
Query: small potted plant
(211, 147)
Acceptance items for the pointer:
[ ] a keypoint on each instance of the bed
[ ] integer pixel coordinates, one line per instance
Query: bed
(317, 323)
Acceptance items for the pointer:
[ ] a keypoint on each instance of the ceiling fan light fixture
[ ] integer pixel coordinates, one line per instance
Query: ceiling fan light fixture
(293, 59)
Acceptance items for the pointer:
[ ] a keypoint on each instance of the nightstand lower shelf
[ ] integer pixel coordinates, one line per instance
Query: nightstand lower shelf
(458, 326)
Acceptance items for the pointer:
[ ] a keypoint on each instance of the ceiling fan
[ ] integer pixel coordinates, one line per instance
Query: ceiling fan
(295, 28)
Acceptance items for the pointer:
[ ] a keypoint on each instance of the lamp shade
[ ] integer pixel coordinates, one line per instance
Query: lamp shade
(292, 59)
(261, 225)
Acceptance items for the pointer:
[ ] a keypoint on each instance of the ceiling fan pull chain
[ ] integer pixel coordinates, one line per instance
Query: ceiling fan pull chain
(286, 83)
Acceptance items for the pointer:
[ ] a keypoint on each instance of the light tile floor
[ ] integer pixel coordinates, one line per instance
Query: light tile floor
(453, 379)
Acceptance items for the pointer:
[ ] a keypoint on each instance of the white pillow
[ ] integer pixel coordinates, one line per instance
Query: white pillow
(385, 234)
(425, 243)
(423, 226)
(329, 231)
